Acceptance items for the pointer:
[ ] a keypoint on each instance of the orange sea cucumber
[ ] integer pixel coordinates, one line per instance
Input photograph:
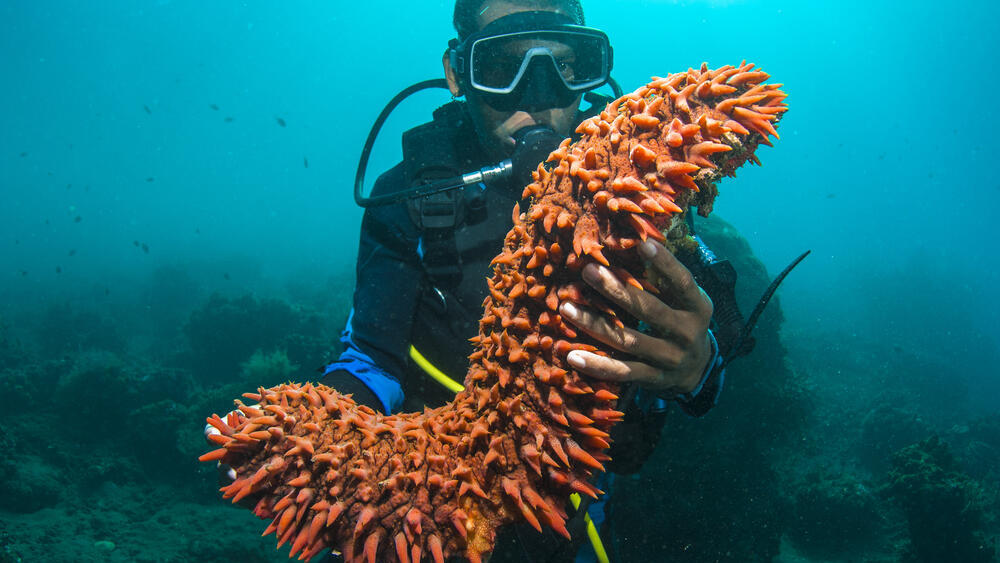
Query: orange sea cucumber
(527, 430)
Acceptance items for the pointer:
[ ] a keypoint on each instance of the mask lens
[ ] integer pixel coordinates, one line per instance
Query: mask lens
(498, 63)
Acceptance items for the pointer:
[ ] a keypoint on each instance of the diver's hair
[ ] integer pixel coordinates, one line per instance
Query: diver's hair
(467, 12)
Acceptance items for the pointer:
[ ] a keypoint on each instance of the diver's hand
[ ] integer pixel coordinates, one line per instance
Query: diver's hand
(672, 362)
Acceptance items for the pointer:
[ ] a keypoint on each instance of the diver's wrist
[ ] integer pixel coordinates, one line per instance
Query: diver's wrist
(705, 395)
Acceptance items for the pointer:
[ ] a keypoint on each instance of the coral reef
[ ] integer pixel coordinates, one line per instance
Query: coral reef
(12, 352)
(834, 514)
(63, 329)
(225, 332)
(887, 428)
(527, 430)
(263, 367)
(942, 505)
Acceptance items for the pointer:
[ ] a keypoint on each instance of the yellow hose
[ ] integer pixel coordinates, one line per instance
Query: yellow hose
(454, 386)
(436, 374)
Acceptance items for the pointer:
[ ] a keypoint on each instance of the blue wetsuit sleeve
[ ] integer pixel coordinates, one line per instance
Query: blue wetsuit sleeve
(386, 388)
(377, 336)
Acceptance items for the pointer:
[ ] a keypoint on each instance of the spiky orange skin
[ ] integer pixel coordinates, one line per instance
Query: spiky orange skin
(527, 430)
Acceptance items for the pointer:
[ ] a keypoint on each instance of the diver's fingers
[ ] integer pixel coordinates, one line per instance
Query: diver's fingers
(659, 351)
(682, 291)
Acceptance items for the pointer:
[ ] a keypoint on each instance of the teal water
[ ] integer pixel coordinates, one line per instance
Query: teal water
(153, 153)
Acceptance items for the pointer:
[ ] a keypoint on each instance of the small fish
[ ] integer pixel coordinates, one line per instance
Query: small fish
(149, 111)
(17, 241)
(58, 270)
(135, 243)
(150, 179)
(107, 291)
(78, 219)
(68, 186)
(305, 162)
(145, 248)
(24, 273)
(228, 119)
(72, 252)
(213, 106)
(831, 196)
(226, 275)
(197, 231)
(280, 121)
(23, 154)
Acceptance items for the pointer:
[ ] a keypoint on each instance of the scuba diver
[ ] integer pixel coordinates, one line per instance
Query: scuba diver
(431, 228)
(433, 223)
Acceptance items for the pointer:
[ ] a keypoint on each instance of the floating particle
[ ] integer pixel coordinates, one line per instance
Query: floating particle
(226, 275)
(72, 252)
(228, 119)
(68, 186)
(77, 219)
(135, 243)
(150, 179)
(58, 270)
(280, 121)
(197, 231)
(23, 154)
(213, 106)
(145, 107)
(107, 291)
(831, 196)
(145, 248)
(24, 273)
(305, 162)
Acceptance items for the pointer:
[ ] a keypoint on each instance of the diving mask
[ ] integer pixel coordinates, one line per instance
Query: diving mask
(541, 54)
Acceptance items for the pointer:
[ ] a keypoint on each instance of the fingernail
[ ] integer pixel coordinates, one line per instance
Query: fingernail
(576, 359)
(647, 249)
(570, 310)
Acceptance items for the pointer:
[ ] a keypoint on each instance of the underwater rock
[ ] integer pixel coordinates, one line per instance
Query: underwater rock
(30, 486)
(977, 446)
(12, 352)
(262, 367)
(8, 553)
(834, 514)
(224, 332)
(943, 507)
(886, 429)
(63, 329)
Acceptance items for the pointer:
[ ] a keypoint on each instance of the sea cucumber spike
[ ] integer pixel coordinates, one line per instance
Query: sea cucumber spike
(529, 515)
(434, 542)
(371, 547)
(458, 519)
(286, 520)
(301, 540)
(401, 545)
(334, 513)
(366, 516)
(214, 455)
